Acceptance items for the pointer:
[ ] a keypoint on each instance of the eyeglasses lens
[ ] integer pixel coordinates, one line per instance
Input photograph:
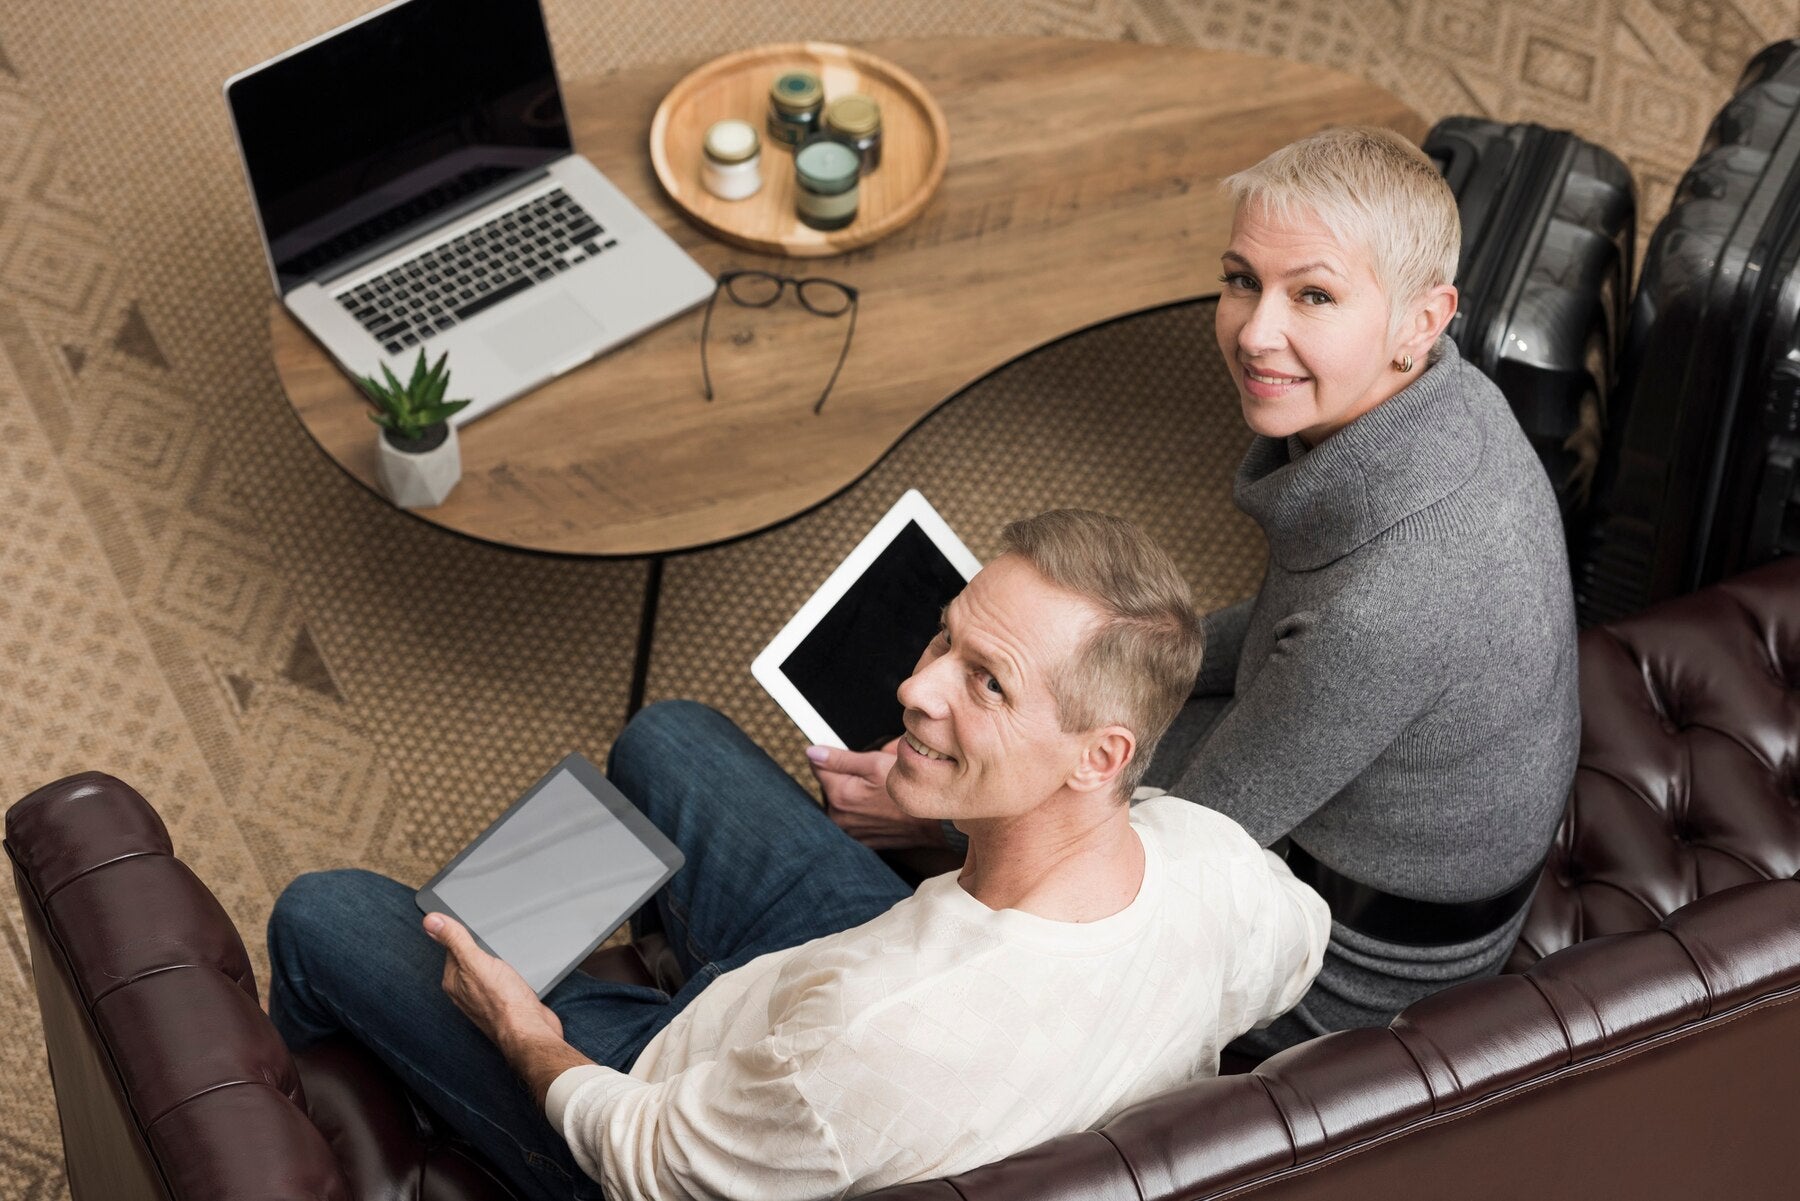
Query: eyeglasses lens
(754, 289)
(824, 297)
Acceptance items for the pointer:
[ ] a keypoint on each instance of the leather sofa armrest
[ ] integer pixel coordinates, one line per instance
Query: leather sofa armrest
(170, 1080)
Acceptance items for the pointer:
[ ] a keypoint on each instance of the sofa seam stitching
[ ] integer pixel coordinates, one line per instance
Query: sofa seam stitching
(213, 1088)
(94, 867)
(1137, 1181)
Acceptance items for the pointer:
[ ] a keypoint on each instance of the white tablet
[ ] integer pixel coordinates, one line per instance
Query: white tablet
(555, 874)
(836, 666)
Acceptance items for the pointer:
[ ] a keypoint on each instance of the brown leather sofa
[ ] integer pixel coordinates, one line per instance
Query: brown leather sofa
(1645, 1044)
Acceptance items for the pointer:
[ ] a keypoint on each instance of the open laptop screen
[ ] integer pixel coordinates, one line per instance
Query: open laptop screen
(375, 126)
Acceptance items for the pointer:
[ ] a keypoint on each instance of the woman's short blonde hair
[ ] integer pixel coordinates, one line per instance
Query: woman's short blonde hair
(1372, 189)
(1137, 665)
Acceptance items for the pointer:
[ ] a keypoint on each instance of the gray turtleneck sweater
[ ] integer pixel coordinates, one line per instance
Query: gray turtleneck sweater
(1399, 697)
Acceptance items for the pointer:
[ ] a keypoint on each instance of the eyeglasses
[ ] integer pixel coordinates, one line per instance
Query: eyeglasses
(760, 289)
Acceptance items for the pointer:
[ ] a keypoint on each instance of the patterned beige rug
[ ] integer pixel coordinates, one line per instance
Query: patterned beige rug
(192, 598)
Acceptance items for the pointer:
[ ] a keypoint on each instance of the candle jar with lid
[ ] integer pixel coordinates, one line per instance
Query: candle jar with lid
(858, 120)
(826, 167)
(795, 101)
(731, 160)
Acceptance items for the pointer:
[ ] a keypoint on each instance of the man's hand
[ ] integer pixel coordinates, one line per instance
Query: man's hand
(493, 995)
(856, 798)
(489, 991)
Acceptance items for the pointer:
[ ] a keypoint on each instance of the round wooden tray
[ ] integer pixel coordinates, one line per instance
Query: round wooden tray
(915, 147)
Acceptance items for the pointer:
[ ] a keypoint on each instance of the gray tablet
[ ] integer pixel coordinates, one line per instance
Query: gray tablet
(555, 874)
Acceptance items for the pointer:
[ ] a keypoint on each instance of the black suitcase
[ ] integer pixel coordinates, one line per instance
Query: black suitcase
(1549, 224)
(1698, 480)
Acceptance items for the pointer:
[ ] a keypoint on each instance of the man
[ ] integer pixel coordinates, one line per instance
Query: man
(837, 1032)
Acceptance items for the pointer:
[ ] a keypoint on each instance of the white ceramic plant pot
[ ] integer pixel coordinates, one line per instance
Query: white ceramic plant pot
(419, 475)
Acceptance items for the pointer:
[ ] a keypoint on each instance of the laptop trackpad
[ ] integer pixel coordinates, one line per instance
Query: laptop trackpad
(544, 336)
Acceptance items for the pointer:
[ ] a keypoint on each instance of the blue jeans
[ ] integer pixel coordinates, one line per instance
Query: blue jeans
(766, 870)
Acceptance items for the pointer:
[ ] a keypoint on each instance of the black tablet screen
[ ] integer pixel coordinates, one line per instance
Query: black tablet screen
(850, 665)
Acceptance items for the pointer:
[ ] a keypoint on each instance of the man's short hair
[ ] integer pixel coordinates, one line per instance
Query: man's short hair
(1372, 189)
(1137, 665)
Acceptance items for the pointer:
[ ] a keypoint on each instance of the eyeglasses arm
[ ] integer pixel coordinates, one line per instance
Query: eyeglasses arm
(842, 355)
(705, 326)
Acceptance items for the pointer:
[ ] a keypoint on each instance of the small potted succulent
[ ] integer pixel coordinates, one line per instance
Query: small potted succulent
(420, 462)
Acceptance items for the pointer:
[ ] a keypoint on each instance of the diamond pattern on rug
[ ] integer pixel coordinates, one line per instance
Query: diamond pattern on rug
(306, 667)
(79, 689)
(135, 339)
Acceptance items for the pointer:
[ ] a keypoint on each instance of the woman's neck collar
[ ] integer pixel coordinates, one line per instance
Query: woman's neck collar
(1317, 505)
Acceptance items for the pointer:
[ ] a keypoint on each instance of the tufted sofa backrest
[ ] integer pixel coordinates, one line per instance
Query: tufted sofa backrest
(1689, 777)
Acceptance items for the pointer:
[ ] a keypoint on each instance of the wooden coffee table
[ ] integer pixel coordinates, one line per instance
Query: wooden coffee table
(1081, 186)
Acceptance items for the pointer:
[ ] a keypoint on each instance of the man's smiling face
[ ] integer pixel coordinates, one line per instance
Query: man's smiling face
(983, 734)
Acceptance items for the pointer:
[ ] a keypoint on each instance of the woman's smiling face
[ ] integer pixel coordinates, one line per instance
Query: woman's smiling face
(1303, 325)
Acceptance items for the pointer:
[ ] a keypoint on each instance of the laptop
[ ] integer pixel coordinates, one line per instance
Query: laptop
(416, 188)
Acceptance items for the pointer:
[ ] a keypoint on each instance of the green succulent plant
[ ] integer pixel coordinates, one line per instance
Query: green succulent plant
(409, 409)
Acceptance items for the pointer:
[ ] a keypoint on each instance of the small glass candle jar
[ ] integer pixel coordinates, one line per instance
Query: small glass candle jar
(731, 160)
(858, 119)
(795, 100)
(825, 173)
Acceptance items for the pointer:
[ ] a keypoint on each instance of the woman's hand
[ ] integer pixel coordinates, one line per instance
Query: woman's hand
(856, 798)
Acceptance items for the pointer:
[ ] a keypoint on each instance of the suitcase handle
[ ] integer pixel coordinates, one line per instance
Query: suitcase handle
(1774, 497)
(1456, 161)
(1459, 158)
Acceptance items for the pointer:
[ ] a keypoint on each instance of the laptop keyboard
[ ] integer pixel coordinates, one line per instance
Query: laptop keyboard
(476, 270)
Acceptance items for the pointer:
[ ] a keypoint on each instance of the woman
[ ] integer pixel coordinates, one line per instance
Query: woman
(1398, 700)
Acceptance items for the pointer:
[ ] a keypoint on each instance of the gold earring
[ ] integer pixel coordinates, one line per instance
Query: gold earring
(1404, 365)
